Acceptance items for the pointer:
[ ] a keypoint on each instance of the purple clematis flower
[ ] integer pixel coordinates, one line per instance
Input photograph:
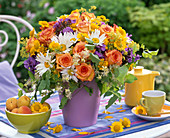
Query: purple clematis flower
(67, 29)
(102, 47)
(30, 64)
(100, 55)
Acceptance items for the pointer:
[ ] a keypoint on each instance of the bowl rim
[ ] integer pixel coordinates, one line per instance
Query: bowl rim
(35, 114)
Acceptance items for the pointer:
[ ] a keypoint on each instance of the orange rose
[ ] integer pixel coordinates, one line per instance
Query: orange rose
(30, 44)
(87, 15)
(85, 72)
(83, 27)
(80, 46)
(63, 60)
(105, 29)
(114, 57)
(75, 16)
(46, 35)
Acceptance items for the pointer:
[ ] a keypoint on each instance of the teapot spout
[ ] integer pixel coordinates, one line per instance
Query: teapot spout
(155, 73)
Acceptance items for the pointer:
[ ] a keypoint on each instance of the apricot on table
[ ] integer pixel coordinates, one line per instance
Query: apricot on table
(24, 110)
(15, 110)
(23, 101)
(11, 103)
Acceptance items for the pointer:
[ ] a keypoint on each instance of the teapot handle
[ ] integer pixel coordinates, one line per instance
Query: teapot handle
(142, 102)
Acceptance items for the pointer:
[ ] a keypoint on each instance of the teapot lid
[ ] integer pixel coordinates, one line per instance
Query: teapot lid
(139, 71)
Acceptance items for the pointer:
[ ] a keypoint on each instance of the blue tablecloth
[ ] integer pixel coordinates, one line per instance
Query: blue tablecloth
(100, 129)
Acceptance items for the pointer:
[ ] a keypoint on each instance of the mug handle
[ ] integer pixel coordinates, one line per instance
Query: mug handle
(142, 102)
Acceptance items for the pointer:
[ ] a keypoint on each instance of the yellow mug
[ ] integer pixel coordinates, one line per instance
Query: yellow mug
(153, 101)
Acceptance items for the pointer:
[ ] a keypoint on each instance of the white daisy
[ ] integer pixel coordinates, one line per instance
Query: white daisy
(45, 63)
(96, 38)
(66, 40)
(70, 73)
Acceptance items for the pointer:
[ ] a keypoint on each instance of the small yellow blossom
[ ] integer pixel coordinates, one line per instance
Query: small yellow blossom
(120, 43)
(57, 128)
(121, 31)
(140, 110)
(32, 33)
(44, 109)
(44, 23)
(54, 46)
(125, 122)
(81, 36)
(85, 133)
(116, 127)
(35, 107)
(94, 26)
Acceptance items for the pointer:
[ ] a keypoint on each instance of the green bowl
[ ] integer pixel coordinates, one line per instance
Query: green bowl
(28, 123)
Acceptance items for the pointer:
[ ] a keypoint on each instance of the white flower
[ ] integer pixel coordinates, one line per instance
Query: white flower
(69, 73)
(68, 93)
(76, 59)
(45, 63)
(66, 40)
(96, 38)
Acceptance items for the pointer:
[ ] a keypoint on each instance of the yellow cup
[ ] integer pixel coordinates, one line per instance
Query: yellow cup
(153, 101)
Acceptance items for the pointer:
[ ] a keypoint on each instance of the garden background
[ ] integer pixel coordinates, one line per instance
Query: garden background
(147, 20)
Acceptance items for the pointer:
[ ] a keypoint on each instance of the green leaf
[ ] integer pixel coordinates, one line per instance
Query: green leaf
(130, 78)
(105, 88)
(21, 85)
(143, 46)
(20, 93)
(48, 74)
(46, 97)
(42, 85)
(89, 40)
(108, 93)
(31, 75)
(89, 90)
(90, 47)
(63, 102)
(111, 101)
(20, 63)
(47, 84)
(94, 58)
(122, 73)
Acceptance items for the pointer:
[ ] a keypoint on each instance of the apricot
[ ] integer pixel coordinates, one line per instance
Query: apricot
(15, 110)
(11, 103)
(24, 110)
(46, 104)
(23, 101)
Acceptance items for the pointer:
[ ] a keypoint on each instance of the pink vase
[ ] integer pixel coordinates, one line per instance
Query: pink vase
(82, 109)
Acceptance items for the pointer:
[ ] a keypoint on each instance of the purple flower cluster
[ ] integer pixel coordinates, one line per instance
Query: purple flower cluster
(129, 36)
(63, 24)
(129, 56)
(30, 64)
(100, 50)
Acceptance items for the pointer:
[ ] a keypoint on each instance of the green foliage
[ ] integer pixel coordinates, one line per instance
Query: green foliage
(159, 63)
(153, 26)
(63, 102)
(94, 58)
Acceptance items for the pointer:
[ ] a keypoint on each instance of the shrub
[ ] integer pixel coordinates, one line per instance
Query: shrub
(153, 26)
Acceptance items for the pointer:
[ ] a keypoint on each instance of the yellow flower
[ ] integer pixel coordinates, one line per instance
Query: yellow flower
(125, 122)
(49, 123)
(102, 64)
(44, 109)
(120, 43)
(57, 128)
(54, 46)
(116, 127)
(94, 26)
(44, 23)
(140, 110)
(36, 107)
(82, 36)
(32, 33)
(121, 31)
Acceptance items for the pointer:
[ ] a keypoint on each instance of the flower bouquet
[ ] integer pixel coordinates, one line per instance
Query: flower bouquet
(77, 49)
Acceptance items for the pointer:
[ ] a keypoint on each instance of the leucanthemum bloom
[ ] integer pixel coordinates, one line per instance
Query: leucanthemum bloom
(116, 127)
(125, 122)
(65, 40)
(45, 63)
(96, 38)
(70, 73)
